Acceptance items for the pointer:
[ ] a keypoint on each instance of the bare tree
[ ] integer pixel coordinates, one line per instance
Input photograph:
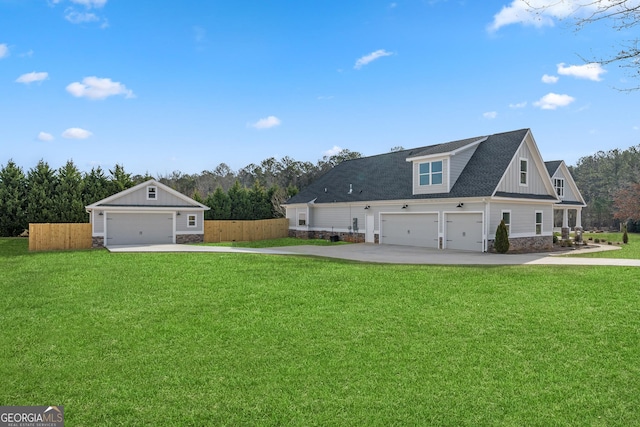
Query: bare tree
(621, 15)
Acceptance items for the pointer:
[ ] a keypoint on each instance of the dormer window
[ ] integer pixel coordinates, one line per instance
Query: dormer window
(431, 173)
(524, 172)
(152, 193)
(558, 184)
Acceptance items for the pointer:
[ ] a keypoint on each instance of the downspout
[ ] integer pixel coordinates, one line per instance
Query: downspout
(485, 239)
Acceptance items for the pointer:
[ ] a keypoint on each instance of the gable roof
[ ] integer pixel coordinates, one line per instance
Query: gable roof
(552, 166)
(112, 200)
(390, 176)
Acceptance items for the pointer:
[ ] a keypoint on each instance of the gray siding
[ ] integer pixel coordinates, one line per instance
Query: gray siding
(97, 221)
(182, 225)
(431, 189)
(511, 181)
(458, 163)
(569, 195)
(139, 198)
(522, 218)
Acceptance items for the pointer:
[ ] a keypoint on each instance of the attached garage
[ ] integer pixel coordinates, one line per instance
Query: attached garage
(139, 228)
(420, 229)
(463, 231)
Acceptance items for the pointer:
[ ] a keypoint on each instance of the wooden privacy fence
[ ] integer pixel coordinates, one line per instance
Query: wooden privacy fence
(243, 231)
(48, 237)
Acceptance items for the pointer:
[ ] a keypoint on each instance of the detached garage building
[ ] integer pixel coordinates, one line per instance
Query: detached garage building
(444, 196)
(149, 213)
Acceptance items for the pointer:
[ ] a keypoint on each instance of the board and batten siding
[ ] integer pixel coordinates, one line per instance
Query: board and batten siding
(431, 189)
(569, 195)
(458, 163)
(139, 198)
(523, 218)
(511, 180)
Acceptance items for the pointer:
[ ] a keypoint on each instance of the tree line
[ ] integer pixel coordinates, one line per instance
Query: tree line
(47, 195)
(610, 184)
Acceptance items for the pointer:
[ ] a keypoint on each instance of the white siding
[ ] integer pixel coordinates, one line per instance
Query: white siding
(511, 180)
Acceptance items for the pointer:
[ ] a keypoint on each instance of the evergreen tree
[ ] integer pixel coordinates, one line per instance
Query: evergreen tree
(13, 191)
(220, 205)
(260, 202)
(96, 186)
(120, 180)
(240, 204)
(501, 243)
(68, 195)
(41, 194)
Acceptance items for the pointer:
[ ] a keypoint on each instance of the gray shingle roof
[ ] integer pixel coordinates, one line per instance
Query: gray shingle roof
(389, 176)
(552, 166)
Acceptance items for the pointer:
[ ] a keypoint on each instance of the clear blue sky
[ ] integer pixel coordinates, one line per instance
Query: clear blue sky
(166, 85)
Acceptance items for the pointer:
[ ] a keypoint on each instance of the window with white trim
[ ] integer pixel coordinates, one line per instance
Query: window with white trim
(506, 217)
(302, 218)
(430, 173)
(524, 171)
(152, 192)
(538, 222)
(558, 184)
(191, 220)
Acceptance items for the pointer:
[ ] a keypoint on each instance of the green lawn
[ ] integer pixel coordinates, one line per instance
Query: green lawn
(628, 251)
(245, 339)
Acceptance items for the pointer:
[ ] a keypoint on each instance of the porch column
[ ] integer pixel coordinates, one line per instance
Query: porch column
(579, 218)
(565, 224)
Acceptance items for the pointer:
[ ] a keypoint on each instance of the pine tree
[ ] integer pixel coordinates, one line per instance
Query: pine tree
(96, 186)
(41, 194)
(69, 203)
(220, 205)
(501, 243)
(13, 190)
(240, 204)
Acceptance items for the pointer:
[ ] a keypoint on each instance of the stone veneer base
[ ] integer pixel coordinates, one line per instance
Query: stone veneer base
(189, 238)
(526, 244)
(326, 235)
(97, 242)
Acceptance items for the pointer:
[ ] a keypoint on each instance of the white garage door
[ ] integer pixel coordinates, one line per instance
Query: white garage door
(409, 229)
(464, 231)
(139, 228)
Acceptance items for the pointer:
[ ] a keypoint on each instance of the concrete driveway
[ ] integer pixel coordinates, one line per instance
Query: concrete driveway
(392, 254)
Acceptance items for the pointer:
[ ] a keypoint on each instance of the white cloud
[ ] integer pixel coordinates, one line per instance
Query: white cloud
(490, 115)
(266, 123)
(76, 17)
(4, 50)
(518, 105)
(551, 101)
(550, 79)
(76, 133)
(98, 88)
(539, 13)
(591, 71)
(333, 151)
(44, 136)
(371, 57)
(32, 77)
(90, 3)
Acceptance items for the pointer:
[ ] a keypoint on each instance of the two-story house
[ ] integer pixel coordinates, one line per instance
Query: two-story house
(445, 196)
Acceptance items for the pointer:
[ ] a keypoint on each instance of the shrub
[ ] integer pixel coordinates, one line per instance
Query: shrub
(555, 239)
(502, 238)
(597, 240)
(625, 236)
